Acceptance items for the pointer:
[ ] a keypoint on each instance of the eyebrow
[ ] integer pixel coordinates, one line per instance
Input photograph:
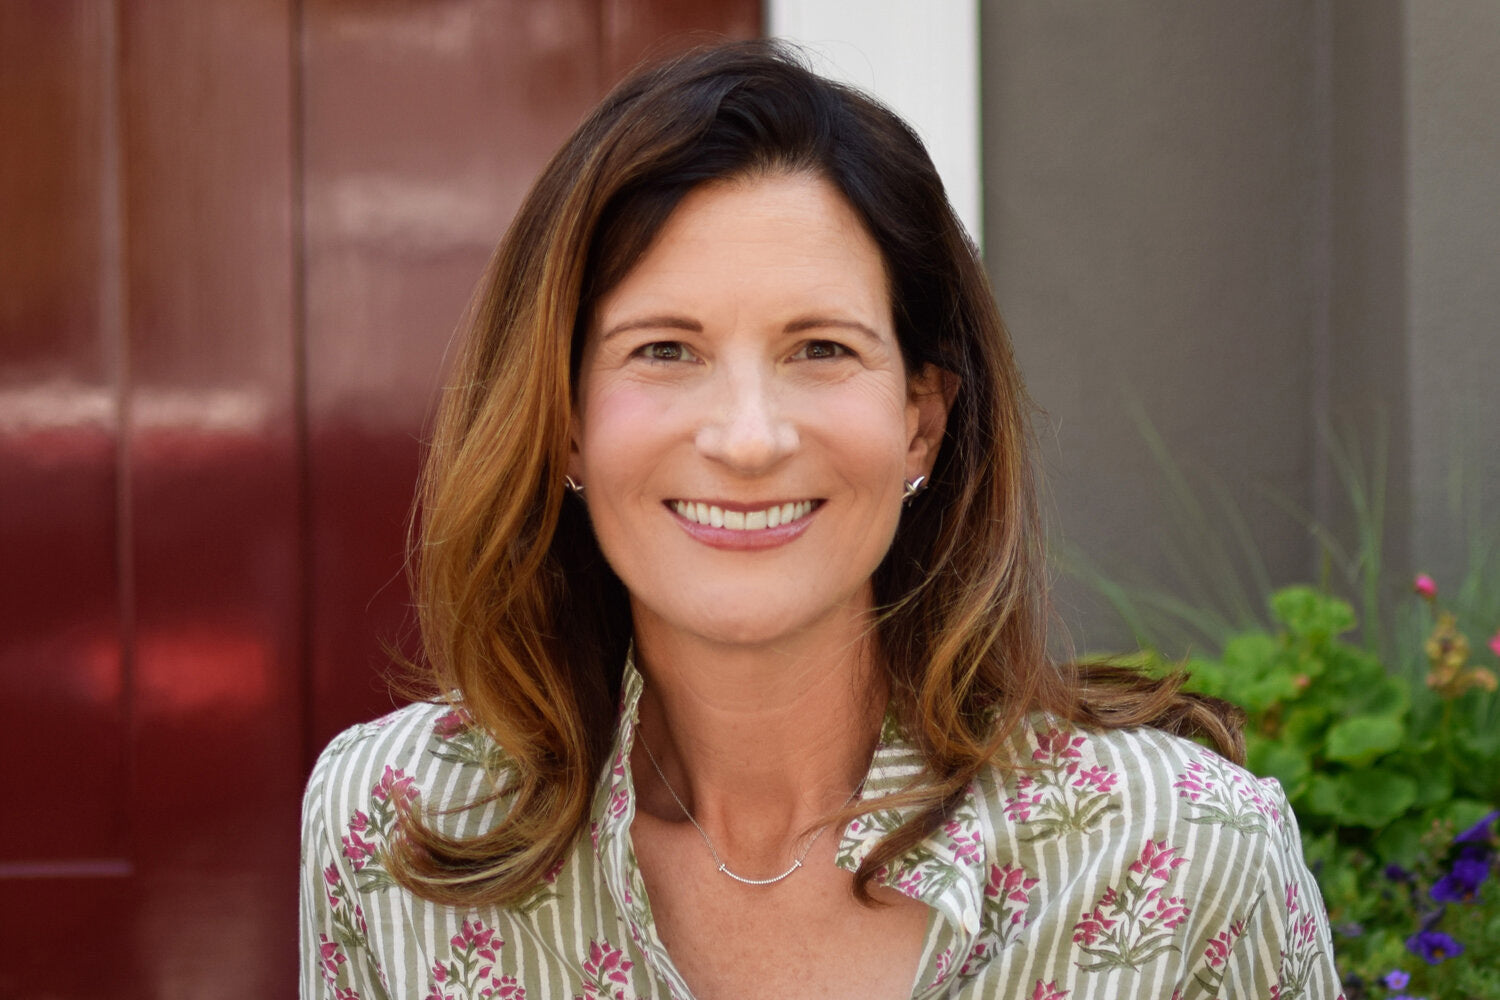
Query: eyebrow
(670, 322)
(824, 322)
(664, 322)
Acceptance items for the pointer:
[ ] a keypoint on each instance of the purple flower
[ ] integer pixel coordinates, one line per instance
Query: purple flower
(1462, 883)
(1396, 979)
(1396, 873)
(1479, 833)
(1433, 946)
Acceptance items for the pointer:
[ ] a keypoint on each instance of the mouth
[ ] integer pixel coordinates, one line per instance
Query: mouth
(714, 516)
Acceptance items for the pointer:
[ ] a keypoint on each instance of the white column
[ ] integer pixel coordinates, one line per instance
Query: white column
(921, 58)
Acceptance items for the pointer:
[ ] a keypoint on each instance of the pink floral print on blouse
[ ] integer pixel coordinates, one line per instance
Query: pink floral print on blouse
(1109, 865)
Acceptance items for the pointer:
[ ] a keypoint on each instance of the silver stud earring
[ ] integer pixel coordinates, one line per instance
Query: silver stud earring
(573, 485)
(913, 487)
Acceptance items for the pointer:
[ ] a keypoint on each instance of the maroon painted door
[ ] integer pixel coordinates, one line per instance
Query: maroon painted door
(235, 236)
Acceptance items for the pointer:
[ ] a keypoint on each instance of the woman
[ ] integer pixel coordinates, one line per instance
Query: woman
(728, 567)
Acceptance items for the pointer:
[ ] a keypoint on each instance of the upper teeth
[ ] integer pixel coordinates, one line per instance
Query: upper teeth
(742, 520)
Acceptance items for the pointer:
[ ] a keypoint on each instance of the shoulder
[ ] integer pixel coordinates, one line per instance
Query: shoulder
(1144, 769)
(1141, 809)
(426, 753)
(1134, 853)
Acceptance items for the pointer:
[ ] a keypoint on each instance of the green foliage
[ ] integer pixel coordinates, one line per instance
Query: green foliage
(1382, 773)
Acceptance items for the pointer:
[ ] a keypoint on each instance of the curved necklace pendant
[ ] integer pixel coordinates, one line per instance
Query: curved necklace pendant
(760, 881)
(796, 863)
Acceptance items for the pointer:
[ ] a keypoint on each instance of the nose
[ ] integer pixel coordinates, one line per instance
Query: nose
(748, 428)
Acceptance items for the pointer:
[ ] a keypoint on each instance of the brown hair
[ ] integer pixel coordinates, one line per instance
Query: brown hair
(519, 612)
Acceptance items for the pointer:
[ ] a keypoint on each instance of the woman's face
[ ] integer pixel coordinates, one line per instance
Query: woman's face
(744, 422)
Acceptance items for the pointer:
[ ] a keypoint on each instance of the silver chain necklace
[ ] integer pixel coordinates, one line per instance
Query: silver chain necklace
(718, 861)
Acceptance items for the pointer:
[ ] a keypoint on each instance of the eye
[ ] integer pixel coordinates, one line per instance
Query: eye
(665, 350)
(820, 350)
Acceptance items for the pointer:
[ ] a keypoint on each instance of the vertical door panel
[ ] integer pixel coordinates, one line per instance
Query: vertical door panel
(64, 866)
(424, 125)
(214, 491)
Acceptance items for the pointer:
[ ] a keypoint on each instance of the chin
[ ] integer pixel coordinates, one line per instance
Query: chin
(765, 625)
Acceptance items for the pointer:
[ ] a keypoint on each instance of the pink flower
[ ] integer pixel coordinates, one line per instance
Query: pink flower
(451, 724)
(475, 936)
(1011, 882)
(977, 956)
(1261, 804)
(1194, 781)
(1158, 860)
(358, 850)
(1495, 643)
(1048, 991)
(395, 786)
(1171, 912)
(1092, 925)
(1305, 931)
(1219, 948)
(943, 962)
(910, 883)
(1096, 778)
(1291, 899)
(966, 846)
(335, 889)
(606, 962)
(1425, 586)
(1057, 743)
(329, 958)
(505, 988)
(1018, 809)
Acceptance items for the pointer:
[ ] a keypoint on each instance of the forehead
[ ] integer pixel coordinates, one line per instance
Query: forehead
(790, 227)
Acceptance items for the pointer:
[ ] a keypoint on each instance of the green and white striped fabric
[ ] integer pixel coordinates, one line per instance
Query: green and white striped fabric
(1120, 864)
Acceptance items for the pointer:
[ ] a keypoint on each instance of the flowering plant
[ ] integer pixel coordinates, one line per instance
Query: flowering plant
(1394, 775)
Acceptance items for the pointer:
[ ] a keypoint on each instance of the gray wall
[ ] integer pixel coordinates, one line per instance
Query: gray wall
(1250, 222)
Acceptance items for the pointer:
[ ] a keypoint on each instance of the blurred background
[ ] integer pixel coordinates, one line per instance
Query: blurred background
(236, 236)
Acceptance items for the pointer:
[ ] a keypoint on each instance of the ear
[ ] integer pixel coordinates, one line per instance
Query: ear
(929, 397)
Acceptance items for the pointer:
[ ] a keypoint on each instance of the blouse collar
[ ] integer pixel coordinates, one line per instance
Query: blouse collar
(947, 871)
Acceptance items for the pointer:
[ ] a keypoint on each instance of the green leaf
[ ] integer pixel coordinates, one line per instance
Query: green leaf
(1374, 796)
(1308, 613)
(1256, 674)
(1435, 784)
(1378, 694)
(1305, 726)
(1324, 796)
(1401, 842)
(1363, 738)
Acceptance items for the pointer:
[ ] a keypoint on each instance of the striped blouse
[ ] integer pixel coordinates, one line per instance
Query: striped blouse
(1121, 864)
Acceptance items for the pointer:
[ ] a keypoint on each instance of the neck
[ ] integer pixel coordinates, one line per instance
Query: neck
(760, 743)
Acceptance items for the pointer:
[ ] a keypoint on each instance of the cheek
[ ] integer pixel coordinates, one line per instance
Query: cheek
(872, 421)
(618, 425)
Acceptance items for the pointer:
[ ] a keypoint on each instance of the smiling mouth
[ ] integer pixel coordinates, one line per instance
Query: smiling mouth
(743, 520)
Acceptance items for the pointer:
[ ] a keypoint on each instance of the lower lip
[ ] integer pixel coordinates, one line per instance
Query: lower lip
(745, 541)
